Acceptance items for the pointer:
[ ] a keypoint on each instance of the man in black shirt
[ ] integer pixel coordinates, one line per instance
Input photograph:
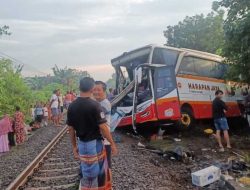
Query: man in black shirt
(220, 120)
(87, 122)
(247, 108)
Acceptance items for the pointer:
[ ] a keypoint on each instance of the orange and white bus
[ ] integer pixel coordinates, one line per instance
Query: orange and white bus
(166, 85)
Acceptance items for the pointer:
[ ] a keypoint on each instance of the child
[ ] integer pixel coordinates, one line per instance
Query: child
(45, 114)
(38, 114)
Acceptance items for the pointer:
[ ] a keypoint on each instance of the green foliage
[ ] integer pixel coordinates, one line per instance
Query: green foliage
(4, 30)
(237, 37)
(44, 94)
(199, 32)
(67, 77)
(13, 90)
(111, 82)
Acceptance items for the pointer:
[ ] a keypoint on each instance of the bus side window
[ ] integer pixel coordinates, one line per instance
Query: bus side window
(187, 66)
(203, 67)
(219, 70)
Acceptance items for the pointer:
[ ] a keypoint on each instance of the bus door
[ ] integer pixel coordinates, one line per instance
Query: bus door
(144, 109)
(166, 93)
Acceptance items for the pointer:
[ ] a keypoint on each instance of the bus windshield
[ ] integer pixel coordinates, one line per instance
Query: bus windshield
(165, 56)
(126, 64)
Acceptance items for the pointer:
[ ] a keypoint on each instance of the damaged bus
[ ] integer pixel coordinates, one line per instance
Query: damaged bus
(161, 86)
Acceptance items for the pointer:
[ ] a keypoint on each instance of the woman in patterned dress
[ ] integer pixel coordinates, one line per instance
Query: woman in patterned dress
(19, 126)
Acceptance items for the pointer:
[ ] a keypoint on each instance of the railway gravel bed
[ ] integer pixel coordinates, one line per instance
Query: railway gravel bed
(132, 168)
(135, 169)
(59, 169)
(140, 169)
(19, 157)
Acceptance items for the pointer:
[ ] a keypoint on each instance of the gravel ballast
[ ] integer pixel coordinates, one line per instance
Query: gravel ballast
(134, 169)
(19, 157)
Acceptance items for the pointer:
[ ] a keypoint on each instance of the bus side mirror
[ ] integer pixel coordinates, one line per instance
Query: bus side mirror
(138, 75)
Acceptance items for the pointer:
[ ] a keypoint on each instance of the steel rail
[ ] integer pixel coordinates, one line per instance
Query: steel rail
(29, 170)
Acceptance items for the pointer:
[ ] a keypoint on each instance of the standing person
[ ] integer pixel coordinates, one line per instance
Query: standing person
(19, 126)
(45, 114)
(5, 128)
(87, 122)
(111, 94)
(11, 134)
(60, 99)
(38, 114)
(67, 99)
(54, 105)
(101, 97)
(49, 111)
(32, 112)
(220, 121)
(73, 95)
(247, 108)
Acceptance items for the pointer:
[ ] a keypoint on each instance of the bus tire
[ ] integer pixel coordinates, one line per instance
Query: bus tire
(187, 118)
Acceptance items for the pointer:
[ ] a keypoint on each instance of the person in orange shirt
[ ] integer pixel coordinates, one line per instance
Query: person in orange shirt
(68, 99)
(73, 96)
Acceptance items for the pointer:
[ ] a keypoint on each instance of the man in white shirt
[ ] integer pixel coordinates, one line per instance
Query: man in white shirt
(60, 98)
(101, 97)
(54, 105)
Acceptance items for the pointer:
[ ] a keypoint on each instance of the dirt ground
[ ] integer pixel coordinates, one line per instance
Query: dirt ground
(138, 168)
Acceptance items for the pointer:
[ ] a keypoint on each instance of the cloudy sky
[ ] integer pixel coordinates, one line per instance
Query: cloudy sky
(86, 34)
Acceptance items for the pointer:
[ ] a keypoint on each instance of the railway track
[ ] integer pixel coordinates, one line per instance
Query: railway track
(53, 168)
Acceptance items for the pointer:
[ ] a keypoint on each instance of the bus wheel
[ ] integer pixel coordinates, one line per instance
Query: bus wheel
(187, 119)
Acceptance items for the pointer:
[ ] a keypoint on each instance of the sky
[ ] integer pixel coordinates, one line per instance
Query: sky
(86, 34)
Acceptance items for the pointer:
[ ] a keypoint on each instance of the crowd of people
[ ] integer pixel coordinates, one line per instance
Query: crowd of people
(14, 130)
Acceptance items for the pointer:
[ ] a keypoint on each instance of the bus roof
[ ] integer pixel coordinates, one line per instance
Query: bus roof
(188, 52)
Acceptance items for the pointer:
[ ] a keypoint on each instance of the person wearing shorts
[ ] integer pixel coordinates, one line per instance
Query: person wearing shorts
(247, 108)
(54, 112)
(38, 114)
(220, 121)
(54, 104)
(60, 98)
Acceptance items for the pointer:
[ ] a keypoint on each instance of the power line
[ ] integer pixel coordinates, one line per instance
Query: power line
(22, 63)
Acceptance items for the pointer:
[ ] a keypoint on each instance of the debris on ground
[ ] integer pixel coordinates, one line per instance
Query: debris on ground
(191, 154)
(177, 140)
(206, 176)
(203, 152)
(117, 138)
(208, 131)
(244, 181)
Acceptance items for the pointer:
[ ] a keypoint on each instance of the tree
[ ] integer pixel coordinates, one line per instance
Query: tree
(64, 79)
(111, 82)
(197, 32)
(45, 92)
(4, 30)
(237, 37)
(13, 89)
(68, 76)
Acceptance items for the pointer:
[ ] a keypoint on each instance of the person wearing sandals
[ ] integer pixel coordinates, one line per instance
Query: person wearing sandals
(219, 109)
